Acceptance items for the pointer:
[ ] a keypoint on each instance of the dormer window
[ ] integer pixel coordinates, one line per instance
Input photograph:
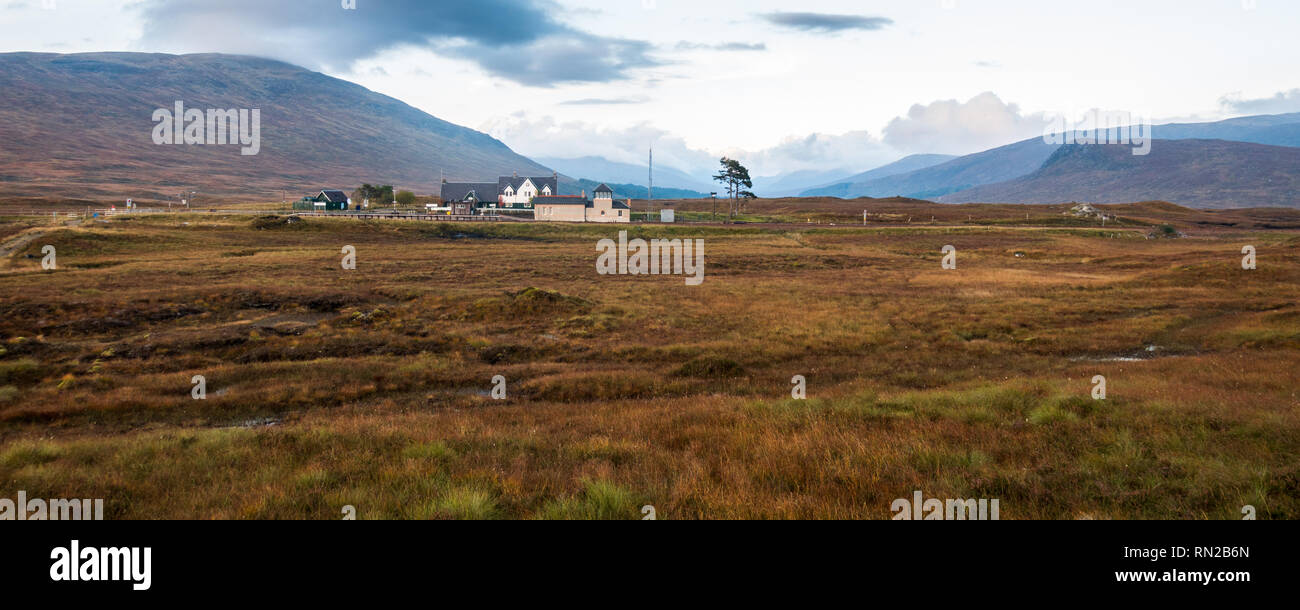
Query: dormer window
(510, 191)
(546, 190)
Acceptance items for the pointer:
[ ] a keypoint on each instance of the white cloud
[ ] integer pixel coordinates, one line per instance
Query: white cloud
(547, 137)
(857, 150)
(948, 127)
(953, 127)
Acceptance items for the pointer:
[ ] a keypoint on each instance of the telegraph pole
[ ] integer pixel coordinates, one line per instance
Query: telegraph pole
(651, 187)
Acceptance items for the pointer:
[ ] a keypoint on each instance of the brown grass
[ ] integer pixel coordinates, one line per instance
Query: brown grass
(372, 388)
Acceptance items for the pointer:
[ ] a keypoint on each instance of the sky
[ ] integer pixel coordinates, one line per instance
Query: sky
(782, 85)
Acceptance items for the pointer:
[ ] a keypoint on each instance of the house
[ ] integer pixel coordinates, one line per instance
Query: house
(518, 193)
(465, 197)
(325, 201)
(508, 193)
(602, 208)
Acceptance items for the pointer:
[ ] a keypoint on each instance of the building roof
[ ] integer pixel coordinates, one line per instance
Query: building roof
(518, 181)
(460, 191)
(566, 200)
(619, 205)
(604, 188)
(334, 196)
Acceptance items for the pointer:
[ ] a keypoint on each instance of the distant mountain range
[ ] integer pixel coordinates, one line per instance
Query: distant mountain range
(629, 191)
(81, 126)
(845, 187)
(1192, 173)
(961, 180)
(600, 169)
(792, 183)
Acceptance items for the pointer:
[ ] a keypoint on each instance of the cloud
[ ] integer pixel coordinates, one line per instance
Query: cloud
(620, 101)
(546, 137)
(524, 41)
(953, 127)
(1282, 103)
(726, 46)
(856, 150)
(825, 22)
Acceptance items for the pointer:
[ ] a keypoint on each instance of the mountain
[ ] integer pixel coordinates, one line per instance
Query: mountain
(626, 191)
(790, 184)
(997, 165)
(1272, 129)
(1192, 173)
(600, 169)
(841, 188)
(82, 125)
(1023, 158)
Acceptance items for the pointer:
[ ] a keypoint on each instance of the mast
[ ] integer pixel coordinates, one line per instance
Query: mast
(651, 187)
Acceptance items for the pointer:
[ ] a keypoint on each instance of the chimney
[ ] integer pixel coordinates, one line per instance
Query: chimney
(516, 174)
(584, 193)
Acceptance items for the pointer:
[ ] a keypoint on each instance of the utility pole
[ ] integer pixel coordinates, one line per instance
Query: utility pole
(651, 187)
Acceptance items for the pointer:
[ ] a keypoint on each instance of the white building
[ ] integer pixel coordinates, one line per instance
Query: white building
(519, 192)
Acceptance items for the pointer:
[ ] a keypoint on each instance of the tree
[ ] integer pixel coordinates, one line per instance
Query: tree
(735, 178)
(406, 198)
(378, 195)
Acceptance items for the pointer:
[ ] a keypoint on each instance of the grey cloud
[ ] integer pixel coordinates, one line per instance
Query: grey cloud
(1282, 103)
(826, 22)
(520, 40)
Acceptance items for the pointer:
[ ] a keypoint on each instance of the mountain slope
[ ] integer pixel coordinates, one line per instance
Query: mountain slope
(1192, 173)
(1273, 129)
(988, 167)
(82, 125)
(600, 169)
(792, 183)
(1023, 158)
(842, 188)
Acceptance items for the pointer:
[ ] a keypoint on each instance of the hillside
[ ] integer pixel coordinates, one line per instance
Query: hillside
(1193, 173)
(81, 126)
(844, 188)
(997, 165)
(1023, 158)
(792, 183)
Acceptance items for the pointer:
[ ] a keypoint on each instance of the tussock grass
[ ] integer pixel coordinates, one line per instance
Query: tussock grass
(372, 388)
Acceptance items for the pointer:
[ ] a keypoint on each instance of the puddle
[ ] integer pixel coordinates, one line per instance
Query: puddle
(259, 422)
(1151, 352)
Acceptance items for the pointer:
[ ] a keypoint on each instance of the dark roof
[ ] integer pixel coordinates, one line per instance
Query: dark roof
(334, 196)
(603, 188)
(568, 200)
(518, 181)
(459, 191)
(619, 205)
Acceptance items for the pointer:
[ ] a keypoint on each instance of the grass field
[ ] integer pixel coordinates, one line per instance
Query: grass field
(372, 388)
